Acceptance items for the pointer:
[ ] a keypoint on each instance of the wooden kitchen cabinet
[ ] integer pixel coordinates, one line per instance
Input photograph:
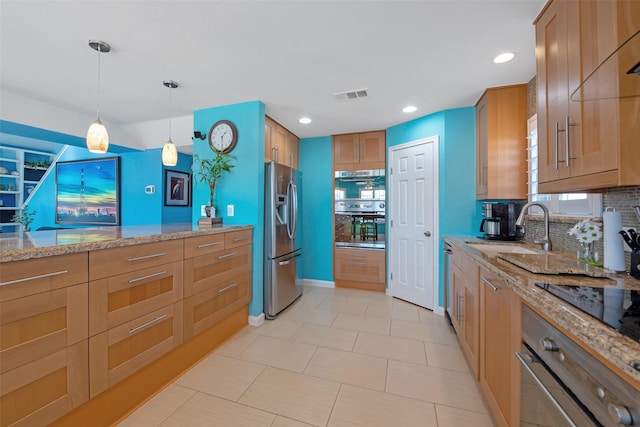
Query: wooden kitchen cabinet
(501, 144)
(500, 314)
(466, 307)
(280, 144)
(591, 142)
(43, 346)
(360, 268)
(357, 151)
(126, 348)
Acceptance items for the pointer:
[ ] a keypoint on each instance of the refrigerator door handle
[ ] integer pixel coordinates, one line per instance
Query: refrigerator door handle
(294, 199)
(291, 210)
(289, 260)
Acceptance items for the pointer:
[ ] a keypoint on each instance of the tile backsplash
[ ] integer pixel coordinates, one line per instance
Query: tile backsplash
(621, 198)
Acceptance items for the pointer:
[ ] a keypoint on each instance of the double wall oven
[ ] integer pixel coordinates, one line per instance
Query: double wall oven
(360, 208)
(562, 384)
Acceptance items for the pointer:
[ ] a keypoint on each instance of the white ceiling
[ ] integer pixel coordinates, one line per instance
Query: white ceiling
(291, 55)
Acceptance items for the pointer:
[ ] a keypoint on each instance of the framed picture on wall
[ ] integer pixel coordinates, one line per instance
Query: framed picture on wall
(177, 188)
(88, 192)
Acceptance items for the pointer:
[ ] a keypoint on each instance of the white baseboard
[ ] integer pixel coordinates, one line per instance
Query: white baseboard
(256, 320)
(319, 283)
(439, 311)
(388, 292)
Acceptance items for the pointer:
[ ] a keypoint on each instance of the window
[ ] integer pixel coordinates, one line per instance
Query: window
(577, 204)
(373, 194)
(339, 194)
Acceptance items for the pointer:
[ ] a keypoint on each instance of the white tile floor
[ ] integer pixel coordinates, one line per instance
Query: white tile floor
(337, 357)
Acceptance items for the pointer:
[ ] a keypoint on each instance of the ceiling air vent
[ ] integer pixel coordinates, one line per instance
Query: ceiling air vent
(351, 94)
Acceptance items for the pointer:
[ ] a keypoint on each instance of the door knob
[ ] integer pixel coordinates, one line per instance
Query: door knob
(427, 233)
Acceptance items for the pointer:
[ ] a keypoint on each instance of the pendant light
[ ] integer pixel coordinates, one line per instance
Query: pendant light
(97, 137)
(169, 152)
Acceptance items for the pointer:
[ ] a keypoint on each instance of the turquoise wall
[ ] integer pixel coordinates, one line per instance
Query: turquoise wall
(244, 186)
(317, 207)
(457, 149)
(137, 170)
(175, 214)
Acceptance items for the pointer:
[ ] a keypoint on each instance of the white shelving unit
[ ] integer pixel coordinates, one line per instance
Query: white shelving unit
(21, 172)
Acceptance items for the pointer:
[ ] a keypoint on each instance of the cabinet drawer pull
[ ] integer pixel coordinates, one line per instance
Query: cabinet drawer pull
(491, 285)
(358, 263)
(227, 255)
(225, 289)
(147, 277)
(149, 323)
(42, 276)
(206, 245)
(359, 256)
(240, 239)
(146, 257)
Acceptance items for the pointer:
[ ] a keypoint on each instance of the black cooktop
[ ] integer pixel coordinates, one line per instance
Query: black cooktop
(618, 308)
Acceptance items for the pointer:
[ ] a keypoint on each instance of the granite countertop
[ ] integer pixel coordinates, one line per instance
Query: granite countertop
(39, 244)
(610, 344)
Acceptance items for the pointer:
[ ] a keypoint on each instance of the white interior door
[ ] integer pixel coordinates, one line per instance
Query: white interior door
(413, 233)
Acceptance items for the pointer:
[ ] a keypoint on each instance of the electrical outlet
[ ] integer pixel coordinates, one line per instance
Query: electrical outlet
(626, 247)
(230, 210)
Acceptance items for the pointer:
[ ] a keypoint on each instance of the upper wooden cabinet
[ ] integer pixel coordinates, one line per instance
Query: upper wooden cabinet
(280, 144)
(501, 132)
(355, 151)
(589, 142)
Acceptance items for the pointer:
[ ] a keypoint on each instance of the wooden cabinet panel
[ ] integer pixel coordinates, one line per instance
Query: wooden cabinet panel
(359, 151)
(236, 239)
(34, 276)
(203, 272)
(360, 265)
(202, 245)
(121, 351)
(280, 144)
(584, 144)
(465, 311)
(206, 308)
(44, 389)
(500, 339)
(38, 325)
(501, 127)
(110, 262)
(117, 299)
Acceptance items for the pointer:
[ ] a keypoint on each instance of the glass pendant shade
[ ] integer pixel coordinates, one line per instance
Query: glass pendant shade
(97, 138)
(169, 154)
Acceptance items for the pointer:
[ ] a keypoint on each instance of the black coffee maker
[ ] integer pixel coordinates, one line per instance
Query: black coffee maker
(499, 222)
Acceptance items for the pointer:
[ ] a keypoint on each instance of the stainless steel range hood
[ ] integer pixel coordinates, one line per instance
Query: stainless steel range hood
(617, 77)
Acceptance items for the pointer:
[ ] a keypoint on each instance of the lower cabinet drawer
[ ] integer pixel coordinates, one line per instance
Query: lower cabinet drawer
(37, 393)
(36, 326)
(360, 270)
(205, 309)
(203, 272)
(121, 351)
(118, 299)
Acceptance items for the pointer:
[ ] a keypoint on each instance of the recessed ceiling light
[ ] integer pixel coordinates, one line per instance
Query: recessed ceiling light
(305, 120)
(503, 57)
(409, 109)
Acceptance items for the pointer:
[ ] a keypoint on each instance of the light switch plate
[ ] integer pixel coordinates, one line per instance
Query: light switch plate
(203, 211)
(230, 210)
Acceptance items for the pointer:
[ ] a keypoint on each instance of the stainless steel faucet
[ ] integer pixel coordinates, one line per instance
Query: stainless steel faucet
(545, 241)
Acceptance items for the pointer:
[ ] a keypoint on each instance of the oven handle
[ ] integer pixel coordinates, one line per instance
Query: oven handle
(545, 390)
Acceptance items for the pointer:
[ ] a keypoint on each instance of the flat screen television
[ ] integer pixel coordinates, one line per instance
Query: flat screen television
(88, 192)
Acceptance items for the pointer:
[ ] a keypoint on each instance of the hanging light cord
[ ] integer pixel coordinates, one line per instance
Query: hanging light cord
(170, 89)
(99, 52)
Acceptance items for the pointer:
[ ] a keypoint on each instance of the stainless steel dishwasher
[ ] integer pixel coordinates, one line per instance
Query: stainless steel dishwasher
(448, 281)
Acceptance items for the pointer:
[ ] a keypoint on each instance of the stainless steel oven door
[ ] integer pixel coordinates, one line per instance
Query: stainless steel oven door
(544, 401)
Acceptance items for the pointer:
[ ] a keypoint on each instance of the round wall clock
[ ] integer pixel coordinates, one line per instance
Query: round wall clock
(223, 136)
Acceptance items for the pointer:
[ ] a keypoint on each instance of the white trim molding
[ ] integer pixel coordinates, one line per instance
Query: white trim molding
(256, 320)
(319, 283)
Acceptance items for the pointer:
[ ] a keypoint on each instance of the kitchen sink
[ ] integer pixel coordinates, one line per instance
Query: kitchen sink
(493, 249)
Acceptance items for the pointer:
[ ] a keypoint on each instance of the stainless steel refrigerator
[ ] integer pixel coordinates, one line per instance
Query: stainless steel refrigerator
(282, 238)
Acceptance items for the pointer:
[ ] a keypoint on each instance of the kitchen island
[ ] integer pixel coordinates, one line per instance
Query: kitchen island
(94, 321)
(493, 297)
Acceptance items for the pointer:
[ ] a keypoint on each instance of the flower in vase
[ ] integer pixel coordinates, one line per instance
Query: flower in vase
(586, 231)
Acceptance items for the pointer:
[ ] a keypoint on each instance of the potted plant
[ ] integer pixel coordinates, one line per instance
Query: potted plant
(24, 217)
(211, 171)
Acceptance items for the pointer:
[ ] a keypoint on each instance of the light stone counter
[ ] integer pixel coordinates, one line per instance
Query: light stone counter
(617, 349)
(39, 244)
